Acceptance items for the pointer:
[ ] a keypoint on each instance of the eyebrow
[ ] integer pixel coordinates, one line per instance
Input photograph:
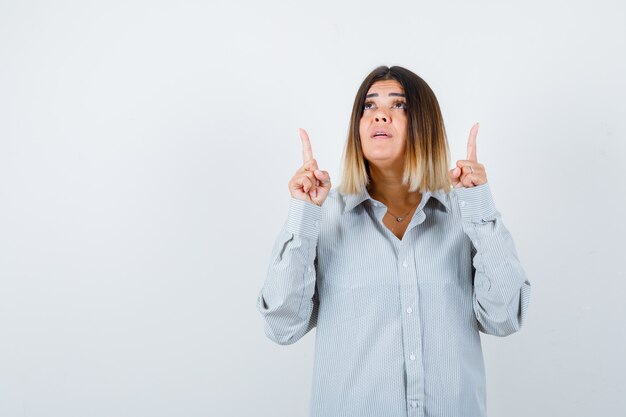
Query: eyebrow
(390, 95)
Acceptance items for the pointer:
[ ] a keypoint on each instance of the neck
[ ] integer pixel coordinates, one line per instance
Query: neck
(386, 186)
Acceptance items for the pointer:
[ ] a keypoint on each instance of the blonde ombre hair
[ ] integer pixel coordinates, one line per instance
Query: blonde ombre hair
(427, 152)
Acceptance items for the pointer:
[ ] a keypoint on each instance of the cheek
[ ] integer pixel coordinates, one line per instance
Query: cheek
(362, 127)
(402, 124)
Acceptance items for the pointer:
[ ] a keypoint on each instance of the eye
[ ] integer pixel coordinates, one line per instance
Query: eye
(368, 105)
(399, 105)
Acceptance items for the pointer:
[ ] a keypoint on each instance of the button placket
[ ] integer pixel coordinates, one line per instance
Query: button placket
(410, 321)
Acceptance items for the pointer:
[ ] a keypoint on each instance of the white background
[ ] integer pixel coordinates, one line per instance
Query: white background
(145, 150)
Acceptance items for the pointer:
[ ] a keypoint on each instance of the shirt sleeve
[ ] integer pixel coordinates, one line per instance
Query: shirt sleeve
(501, 289)
(288, 300)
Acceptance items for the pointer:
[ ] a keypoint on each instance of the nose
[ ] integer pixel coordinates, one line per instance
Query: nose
(382, 118)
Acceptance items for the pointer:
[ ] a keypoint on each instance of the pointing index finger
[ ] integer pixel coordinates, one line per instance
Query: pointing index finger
(471, 144)
(307, 152)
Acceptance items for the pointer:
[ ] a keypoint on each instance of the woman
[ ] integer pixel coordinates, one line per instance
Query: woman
(399, 269)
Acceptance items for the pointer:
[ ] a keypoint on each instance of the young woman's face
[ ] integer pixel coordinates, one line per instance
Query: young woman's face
(383, 126)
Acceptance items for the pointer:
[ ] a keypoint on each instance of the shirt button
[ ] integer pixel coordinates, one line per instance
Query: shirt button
(409, 310)
(414, 404)
(463, 203)
(412, 357)
(404, 264)
(308, 269)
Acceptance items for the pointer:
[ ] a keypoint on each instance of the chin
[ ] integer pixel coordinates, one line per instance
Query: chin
(384, 163)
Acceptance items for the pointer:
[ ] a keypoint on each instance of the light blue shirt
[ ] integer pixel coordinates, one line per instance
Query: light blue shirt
(397, 321)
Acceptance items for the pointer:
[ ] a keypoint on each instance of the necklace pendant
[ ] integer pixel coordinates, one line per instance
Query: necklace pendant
(399, 219)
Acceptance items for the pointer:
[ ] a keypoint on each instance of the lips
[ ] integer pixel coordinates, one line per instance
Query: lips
(380, 134)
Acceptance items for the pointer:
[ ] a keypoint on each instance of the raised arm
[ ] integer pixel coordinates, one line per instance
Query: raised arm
(501, 289)
(288, 299)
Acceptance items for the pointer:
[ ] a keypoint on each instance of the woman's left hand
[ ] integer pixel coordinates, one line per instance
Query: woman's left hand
(468, 172)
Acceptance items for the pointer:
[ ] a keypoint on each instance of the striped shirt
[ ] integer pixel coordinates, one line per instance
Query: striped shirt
(397, 321)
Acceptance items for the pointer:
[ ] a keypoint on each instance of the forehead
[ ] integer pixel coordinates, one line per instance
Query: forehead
(385, 87)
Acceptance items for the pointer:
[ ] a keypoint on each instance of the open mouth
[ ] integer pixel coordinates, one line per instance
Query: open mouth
(381, 135)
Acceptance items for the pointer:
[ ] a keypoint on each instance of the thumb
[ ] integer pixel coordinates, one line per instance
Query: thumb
(323, 177)
(322, 190)
(455, 174)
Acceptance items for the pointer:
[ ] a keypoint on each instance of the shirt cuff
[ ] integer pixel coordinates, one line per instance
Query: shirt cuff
(304, 218)
(476, 203)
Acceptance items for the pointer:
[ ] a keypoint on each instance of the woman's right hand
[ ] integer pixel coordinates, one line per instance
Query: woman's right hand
(309, 183)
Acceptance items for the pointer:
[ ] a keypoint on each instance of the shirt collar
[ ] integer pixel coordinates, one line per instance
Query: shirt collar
(353, 200)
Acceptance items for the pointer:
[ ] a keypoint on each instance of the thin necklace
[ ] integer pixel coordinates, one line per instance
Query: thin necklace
(400, 218)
